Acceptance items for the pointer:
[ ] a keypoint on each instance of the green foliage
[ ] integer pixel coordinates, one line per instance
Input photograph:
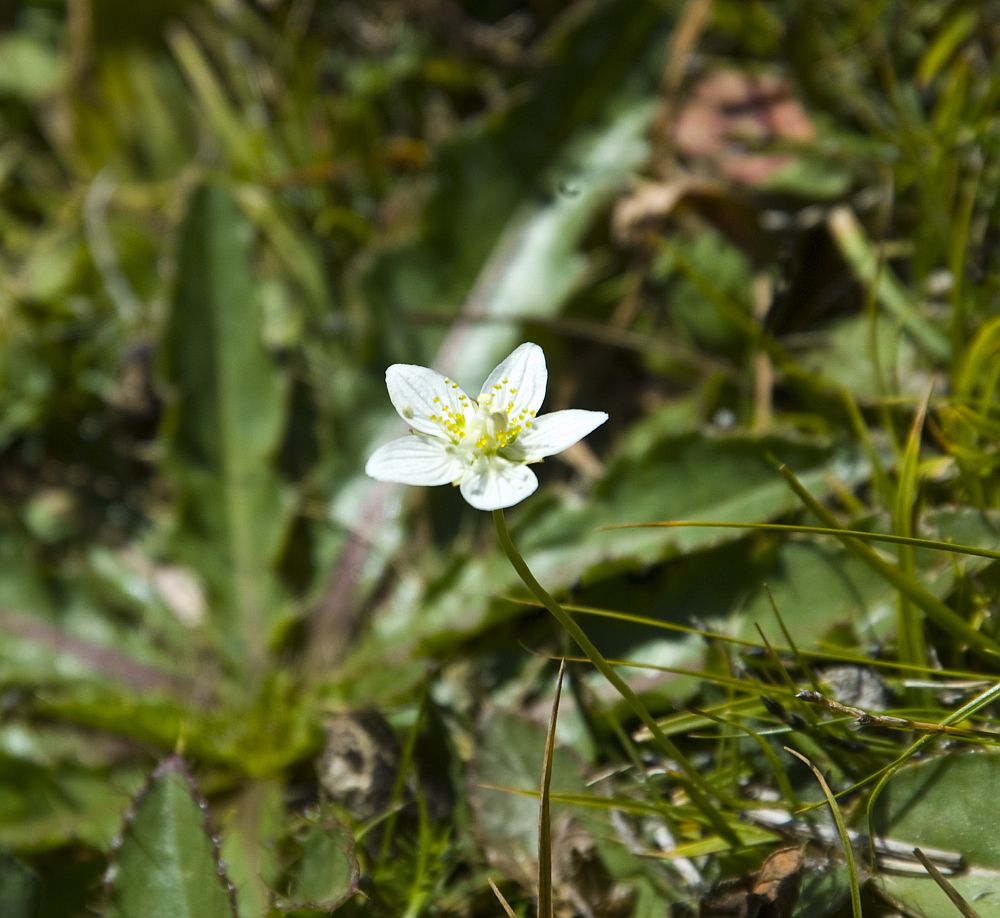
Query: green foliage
(223, 426)
(166, 862)
(220, 222)
(948, 803)
(17, 887)
(325, 874)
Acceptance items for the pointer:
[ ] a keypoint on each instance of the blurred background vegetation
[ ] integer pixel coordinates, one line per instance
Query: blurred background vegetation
(747, 230)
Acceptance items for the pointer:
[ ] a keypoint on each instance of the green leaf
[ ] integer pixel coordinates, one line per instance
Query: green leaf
(660, 476)
(868, 356)
(509, 755)
(227, 418)
(326, 874)
(949, 803)
(168, 865)
(253, 825)
(44, 805)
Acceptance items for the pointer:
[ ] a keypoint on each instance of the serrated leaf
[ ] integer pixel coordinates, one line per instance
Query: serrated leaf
(168, 866)
(228, 413)
(326, 874)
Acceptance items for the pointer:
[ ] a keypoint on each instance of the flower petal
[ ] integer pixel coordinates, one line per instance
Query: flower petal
(518, 384)
(494, 483)
(552, 433)
(415, 460)
(425, 399)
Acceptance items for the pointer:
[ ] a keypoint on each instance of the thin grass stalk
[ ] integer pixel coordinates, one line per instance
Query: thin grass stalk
(891, 538)
(698, 789)
(935, 609)
(909, 626)
(545, 905)
(845, 839)
(953, 894)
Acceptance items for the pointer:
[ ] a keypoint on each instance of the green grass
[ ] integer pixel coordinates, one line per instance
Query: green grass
(239, 677)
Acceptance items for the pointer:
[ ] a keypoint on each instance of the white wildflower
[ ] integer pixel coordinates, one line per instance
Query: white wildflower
(482, 445)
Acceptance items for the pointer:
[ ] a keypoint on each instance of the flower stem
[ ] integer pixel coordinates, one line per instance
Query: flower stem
(698, 789)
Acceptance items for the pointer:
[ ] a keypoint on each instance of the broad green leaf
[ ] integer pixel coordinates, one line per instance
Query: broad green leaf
(167, 865)
(58, 633)
(951, 803)
(667, 476)
(326, 872)
(228, 412)
(824, 892)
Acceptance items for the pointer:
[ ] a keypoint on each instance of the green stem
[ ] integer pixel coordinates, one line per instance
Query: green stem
(698, 789)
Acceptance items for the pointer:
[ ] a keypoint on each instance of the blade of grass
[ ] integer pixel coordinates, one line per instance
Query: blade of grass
(799, 658)
(953, 894)
(840, 656)
(508, 911)
(399, 787)
(933, 607)
(891, 538)
(697, 787)
(909, 627)
(859, 253)
(545, 907)
(845, 840)
(780, 775)
(863, 435)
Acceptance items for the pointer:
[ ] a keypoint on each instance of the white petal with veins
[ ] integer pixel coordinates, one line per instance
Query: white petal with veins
(414, 460)
(552, 433)
(426, 400)
(495, 483)
(518, 384)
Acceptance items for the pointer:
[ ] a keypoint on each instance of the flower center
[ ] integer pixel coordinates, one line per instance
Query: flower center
(483, 428)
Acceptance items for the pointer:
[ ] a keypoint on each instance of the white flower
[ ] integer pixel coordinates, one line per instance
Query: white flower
(483, 445)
